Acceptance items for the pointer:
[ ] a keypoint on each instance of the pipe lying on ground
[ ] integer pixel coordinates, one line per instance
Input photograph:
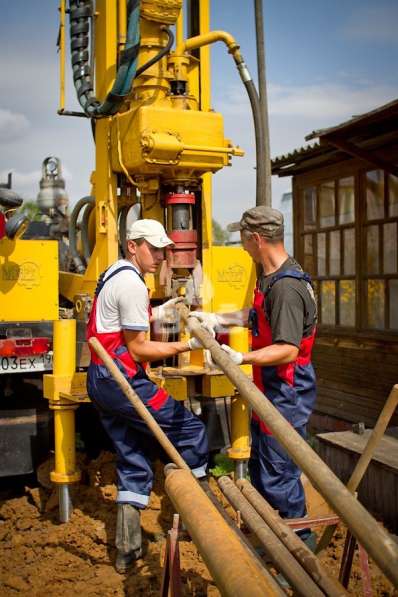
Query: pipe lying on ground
(296, 547)
(284, 561)
(375, 539)
(214, 538)
(235, 571)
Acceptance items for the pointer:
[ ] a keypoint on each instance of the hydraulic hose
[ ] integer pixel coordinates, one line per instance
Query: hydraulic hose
(261, 171)
(233, 48)
(160, 55)
(85, 232)
(262, 88)
(76, 258)
(80, 13)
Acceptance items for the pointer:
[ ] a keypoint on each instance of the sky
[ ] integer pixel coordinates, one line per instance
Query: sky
(326, 61)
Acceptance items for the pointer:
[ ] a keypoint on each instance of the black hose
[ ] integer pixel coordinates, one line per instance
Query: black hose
(80, 14)
(262, 88)
(261, 171)
(123, 213)
(76, 258)
(160, 55)
(87, 250)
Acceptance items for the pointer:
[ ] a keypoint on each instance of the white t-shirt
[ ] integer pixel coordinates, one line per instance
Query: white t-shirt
(123, 301)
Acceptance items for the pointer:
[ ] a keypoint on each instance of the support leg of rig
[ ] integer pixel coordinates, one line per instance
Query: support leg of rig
(64, 367)
(240, 421)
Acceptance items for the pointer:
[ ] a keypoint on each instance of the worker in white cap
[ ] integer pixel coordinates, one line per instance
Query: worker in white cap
(119, 319)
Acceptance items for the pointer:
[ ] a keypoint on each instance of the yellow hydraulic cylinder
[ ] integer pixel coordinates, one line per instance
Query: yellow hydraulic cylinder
(240, 415)
(64, 366)
(240, 429)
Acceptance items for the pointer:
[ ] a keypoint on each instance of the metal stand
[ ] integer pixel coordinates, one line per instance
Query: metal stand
(171, 579)
(348, 551)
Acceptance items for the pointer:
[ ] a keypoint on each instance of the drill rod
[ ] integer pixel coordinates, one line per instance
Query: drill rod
(375, 539)
(235, 570)
(285, 562)
(294, 544)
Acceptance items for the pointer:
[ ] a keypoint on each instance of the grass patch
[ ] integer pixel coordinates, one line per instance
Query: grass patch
(222, 465)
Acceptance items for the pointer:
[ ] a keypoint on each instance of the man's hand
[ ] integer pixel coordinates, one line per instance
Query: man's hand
(235, 356)
(207, 320)
(194, 343)
(167, 312)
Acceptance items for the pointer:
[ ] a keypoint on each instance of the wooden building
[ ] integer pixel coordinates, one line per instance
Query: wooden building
(345, 215)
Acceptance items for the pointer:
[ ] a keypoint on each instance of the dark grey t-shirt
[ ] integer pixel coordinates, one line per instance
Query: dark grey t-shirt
(290, 306)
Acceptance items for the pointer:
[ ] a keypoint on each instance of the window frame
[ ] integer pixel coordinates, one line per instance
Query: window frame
(357, 170)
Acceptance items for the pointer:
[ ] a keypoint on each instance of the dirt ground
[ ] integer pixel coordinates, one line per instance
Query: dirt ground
(40, 557)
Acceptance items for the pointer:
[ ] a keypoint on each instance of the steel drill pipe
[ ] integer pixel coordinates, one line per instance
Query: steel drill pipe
(235, 571)
(376, 540)
(284, 561)
(138, 405)
(296, 547)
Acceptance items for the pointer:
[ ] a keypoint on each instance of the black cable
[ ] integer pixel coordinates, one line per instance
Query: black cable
(160, 55)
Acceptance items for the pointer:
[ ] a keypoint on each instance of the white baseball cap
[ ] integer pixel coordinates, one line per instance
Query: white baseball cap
(151, 230)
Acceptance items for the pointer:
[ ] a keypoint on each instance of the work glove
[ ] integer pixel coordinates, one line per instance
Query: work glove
(235, 356)
(194, 343)
(167, 312)
(207, 320)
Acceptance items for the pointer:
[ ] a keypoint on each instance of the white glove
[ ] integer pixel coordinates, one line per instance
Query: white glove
(194, 343)
(167, 312)
(208, 320)
(235, 356)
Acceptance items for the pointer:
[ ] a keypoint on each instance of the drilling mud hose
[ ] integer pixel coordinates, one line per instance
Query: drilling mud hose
(76, 257)
(375, 539)
(261, 170)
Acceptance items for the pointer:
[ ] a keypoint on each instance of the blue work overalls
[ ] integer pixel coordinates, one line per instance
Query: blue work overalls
(133, 441)
(292, 390)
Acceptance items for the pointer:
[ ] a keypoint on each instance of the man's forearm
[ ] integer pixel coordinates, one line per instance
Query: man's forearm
(238, 318)
(275, 354)
(156, 351)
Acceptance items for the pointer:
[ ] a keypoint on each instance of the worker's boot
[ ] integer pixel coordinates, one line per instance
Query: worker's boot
(128, 536)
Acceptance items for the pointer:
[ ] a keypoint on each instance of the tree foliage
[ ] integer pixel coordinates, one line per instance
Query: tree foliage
(31, 209)
(220, 235)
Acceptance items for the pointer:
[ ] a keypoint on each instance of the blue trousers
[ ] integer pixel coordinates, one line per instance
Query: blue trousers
(275, 475)
(134, 443)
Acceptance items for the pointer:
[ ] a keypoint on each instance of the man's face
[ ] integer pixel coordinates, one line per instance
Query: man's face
(250, 243)
(147, 256)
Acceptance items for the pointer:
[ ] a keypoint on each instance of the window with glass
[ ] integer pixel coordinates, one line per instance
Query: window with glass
(352, 292)
(330, 249)
(380, 275)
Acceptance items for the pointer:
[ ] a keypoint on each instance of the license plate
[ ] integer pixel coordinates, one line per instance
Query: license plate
(42, 362)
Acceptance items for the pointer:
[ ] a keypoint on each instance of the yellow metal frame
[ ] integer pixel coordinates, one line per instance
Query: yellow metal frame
(165, 151)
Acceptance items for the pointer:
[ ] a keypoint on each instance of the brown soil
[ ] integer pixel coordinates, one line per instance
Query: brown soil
(40, 557)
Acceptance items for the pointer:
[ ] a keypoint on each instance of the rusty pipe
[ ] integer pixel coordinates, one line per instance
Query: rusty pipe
(138, 405)
(296, 547)
(284, 561)
(376, 540)
(365, 458)
(235, 571)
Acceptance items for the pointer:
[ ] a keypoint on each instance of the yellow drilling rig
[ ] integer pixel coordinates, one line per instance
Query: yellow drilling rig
(145, 86)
